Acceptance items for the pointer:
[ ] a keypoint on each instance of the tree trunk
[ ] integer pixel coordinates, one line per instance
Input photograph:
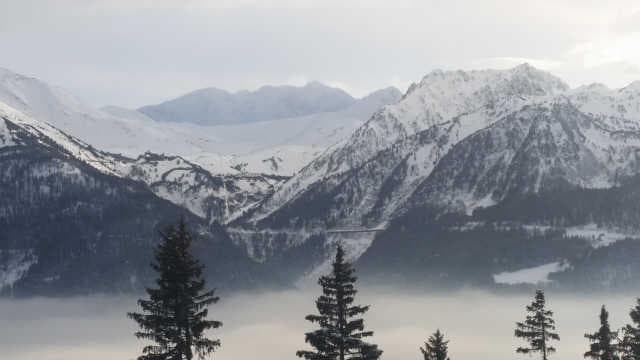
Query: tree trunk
(544, 343)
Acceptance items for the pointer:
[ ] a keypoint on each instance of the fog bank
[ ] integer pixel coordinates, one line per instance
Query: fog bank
(271, 326)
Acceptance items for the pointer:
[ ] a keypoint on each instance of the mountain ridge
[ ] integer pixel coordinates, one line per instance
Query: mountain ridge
(213, 106)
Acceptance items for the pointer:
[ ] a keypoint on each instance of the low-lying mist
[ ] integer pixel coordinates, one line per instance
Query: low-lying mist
(271, 326)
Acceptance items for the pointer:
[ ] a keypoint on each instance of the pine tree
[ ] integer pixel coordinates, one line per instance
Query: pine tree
(603, 342)
(436, 347)
(174, 318)
(630, 344)
(341, 331)
(537, 329)
(369, 352)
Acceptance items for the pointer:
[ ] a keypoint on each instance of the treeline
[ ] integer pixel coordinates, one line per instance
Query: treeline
(174, 317)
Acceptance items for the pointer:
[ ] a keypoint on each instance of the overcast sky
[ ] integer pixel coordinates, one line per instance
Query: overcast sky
(131, 53)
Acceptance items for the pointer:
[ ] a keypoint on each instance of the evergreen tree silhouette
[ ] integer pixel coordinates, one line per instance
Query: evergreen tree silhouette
(174, 317)
(630, 344)
(436, 347)
(603, 342)
(341, 330)
(538, 328)
(368, 352)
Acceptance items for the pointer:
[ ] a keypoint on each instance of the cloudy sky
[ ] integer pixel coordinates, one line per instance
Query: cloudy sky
(131, 53)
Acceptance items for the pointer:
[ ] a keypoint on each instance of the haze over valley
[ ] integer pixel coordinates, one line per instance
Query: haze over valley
(56, 329)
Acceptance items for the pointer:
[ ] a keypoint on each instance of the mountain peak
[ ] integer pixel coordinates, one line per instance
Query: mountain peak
(316, 83)
(388, 92)
(522, 78)
(525, 67)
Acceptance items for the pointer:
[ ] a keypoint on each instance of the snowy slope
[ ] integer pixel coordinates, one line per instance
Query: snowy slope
(543, 146)
(214, 197)
(71, 225)
(285, 146)
(278, 147)
(72, 146)
(615, 108)
(588, 137)
(129, 136)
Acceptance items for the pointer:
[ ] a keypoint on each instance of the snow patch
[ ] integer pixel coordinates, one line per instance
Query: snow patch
(534, 275)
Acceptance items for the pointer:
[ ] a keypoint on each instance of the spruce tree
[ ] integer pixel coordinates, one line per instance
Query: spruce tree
(603, 342)
(341, 330)
(436, 347)
(174, 317)
(630, 344)
(369, 352)
(538, 328)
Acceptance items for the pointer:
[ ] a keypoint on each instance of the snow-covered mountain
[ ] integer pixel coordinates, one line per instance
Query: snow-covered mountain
(541, 147)
(57, 107)
(382, 163)
(213, 106)
(209, 196)
(73, 224)
(215, 172)
(451, 154)
(374, 173)
(278, 147)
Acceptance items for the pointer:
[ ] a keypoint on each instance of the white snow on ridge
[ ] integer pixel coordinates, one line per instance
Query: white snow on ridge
(534, 275)
(73, 146)
(618, 107)
(443, 96)
(5, 135)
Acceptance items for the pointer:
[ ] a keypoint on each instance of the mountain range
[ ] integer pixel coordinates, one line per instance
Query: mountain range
(469, 178)
(276, 147)
(213, 106)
